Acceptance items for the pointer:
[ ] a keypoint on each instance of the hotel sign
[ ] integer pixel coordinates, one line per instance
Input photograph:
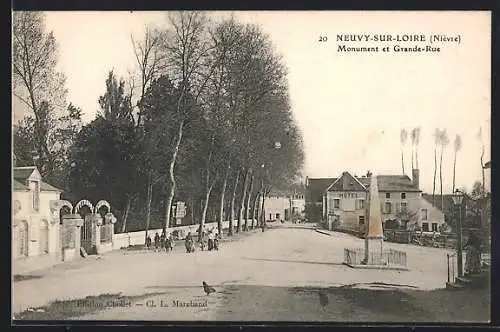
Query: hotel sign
(350, 195)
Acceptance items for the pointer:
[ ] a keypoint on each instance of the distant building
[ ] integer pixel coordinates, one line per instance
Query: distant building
(344, 202)
(284, 206)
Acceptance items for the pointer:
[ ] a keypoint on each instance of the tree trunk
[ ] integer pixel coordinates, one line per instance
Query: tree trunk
(233, 197)
(416, 157)
(148, 203)
(243, 201)
(454, 168)
(434, 180)
(254, 209)
(171, 192)
(412, 153)
(483, 192)
(247, 209)
(402, 161)
(222, 199)
(263, 214)
(192, 211)
(205, 207)
(441, 176)
(125, 216)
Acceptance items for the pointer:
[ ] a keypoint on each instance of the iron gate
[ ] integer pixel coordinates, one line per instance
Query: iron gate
(86, 233)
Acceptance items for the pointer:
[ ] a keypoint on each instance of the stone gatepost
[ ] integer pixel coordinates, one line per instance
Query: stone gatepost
(95, 222)
(72, 224)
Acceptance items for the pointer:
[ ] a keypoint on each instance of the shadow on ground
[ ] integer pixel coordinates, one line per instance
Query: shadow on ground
(22, 277)
(351, 304)
(293, 261)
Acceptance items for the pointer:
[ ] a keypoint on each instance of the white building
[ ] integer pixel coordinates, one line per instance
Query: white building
(345, 202)
(35, 233)
(277, 206)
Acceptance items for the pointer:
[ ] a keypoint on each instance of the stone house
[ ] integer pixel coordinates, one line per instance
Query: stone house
(35, 233)
(345, 202)
(284, 206)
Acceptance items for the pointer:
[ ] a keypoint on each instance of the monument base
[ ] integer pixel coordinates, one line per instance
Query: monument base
(374, 247)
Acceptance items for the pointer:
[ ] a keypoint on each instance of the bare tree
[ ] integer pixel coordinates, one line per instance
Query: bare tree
(417, 141)
(457, 145)
(483, 189)
(36, 81)
(437, 141)
(150, 62)
(187, 49)
(444, 141)
(403, 137)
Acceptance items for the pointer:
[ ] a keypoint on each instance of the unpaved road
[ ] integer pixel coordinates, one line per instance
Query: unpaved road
(275, 275)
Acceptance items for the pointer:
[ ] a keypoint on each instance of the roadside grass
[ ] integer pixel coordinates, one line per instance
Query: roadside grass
(67, 309)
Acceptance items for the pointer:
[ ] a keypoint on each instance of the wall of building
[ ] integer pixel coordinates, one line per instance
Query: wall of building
(434, 215)
(413, 201)
(276, 205)
(349, 211)
(36, 257)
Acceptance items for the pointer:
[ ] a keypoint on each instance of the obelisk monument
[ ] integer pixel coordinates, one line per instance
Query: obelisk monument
(374, 238)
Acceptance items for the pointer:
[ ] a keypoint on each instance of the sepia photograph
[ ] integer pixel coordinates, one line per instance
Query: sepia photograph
(251, 166)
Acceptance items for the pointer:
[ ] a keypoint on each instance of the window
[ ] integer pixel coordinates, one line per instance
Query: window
(404, 207)
(44, 237)
(387, 195)
(434, 227)
(387, 207)
(36, 196)
(336, 203)
(360, 204)
(277, 215)
(361, 220)
(424, 214)
(23, 239)
(403, 195)
(425, 227)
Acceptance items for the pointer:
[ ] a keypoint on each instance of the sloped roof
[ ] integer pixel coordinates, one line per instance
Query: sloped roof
(395, 183)
(347, 182)
(22, 173)
(20, 176)
(316, 188)
(447, 200)
(44, 186)
(16, 185)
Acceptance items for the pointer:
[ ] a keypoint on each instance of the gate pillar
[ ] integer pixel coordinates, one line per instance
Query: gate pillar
(71, 236)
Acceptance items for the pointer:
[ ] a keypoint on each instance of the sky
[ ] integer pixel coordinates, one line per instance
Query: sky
(350, 107)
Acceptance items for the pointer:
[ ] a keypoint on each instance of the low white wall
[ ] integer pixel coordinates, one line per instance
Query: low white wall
(138, 238)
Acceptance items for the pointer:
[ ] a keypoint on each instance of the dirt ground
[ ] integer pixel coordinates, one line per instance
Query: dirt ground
(270, 276)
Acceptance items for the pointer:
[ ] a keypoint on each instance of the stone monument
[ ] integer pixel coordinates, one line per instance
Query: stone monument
(374, 239)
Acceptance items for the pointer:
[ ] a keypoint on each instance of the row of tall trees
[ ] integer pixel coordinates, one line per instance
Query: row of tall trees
(441, 141)
(204, 118)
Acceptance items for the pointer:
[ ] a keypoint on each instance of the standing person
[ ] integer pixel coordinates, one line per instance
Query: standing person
(188, 242)
(210, 240)
(473, 254)
(168, 242)
(157, 241)
(216, 240)
(148, 242)
(163, 239)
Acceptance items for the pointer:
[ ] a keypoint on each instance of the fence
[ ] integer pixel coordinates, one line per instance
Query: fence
(106, 233)
(387, 257)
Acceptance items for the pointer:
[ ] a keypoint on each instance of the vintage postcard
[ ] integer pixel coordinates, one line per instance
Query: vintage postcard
(329, 166)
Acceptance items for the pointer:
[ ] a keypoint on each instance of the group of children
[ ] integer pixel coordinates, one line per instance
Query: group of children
(213, 241)
(163, 242)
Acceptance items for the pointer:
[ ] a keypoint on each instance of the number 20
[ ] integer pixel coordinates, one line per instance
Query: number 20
(323, 38)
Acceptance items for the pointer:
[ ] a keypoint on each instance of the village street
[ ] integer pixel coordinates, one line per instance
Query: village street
(264, 276)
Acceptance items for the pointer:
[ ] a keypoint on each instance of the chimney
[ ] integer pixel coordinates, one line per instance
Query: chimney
(415, 178)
